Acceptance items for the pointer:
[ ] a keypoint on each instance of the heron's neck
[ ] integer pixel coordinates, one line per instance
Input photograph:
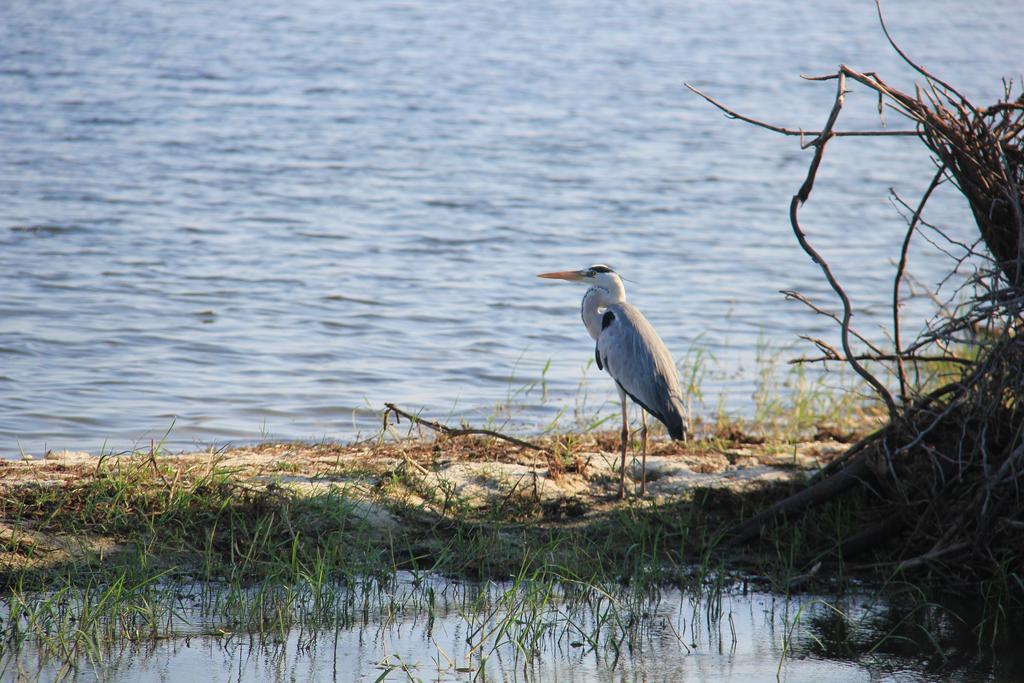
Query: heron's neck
(595, 301)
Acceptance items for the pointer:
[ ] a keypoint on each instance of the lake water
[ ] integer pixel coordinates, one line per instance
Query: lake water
(267, 219)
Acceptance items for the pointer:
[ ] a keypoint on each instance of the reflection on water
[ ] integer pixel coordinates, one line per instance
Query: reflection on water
(427, 628)
(270, 219)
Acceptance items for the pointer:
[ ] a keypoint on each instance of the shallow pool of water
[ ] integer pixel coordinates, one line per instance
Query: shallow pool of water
(427, 628)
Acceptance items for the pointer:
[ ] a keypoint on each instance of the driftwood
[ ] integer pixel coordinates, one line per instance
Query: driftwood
(853, 472)
(945, 474)
(392, 409)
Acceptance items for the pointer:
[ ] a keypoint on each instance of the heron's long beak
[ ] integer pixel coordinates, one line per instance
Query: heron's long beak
(563, 275)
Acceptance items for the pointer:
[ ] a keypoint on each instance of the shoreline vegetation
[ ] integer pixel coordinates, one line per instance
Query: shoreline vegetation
(96, 551)
(410, 500)
(137, 547)
(461, 501)
(405, 490)
(100, 551)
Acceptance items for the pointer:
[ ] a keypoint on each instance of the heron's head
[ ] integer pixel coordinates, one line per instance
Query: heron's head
(598, 275)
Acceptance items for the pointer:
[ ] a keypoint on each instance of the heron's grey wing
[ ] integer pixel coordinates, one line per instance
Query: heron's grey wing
(633, 354)
(606, 320)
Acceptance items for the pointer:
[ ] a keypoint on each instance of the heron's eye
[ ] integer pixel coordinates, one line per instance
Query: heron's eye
(591, 273)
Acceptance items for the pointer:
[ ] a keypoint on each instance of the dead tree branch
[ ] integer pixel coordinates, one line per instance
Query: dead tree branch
(797, 296)
(883, 358)
(391, 408)
(802, 134)
(904, 251)
(949, 465)
(794, 209)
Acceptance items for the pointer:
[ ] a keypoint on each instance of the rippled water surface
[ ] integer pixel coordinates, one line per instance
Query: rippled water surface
(256, 219)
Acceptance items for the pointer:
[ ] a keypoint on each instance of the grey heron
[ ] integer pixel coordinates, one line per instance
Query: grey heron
(630, 350)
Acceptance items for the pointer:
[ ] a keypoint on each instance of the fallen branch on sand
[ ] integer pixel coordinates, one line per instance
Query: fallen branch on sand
(391, 408)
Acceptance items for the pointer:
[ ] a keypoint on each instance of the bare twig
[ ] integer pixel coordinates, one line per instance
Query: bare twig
(794, 209)
(455, 431)
(900, 369)
(884, 358)
(930, 556)
(917, 67)
(732, 114)
(797, 296)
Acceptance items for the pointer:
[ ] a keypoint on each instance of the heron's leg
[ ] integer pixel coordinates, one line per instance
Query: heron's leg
(643, 466)
(625, 441)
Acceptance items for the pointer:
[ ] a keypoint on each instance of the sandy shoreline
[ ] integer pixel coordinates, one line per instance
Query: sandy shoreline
(393, 489)
(477, 467)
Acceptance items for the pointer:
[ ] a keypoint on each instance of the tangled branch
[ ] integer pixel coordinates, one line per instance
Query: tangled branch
(392, 409)
(945, 474)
